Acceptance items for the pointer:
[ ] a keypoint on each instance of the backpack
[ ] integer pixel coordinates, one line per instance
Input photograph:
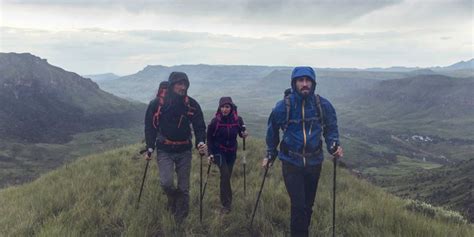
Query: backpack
(235, 117)
(161, 96)
(315, 98)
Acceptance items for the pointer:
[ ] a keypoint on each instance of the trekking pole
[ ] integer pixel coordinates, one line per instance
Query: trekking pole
(334, 200)
(144, 176)
(333, 149)
(207, 178)
(267, 167)
(244, 163)
(200, 191)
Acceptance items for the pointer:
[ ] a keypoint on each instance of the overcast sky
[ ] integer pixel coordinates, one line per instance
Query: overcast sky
(98, 36)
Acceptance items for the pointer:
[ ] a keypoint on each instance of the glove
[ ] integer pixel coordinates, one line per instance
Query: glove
(269, 159)
(202, 147)
(210, 159)
(148, 153)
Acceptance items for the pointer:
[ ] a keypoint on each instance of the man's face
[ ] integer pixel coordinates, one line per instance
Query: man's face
(180, 88)
(303, 85)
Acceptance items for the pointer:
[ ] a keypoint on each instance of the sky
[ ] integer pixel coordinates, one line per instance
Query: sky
(122, 37)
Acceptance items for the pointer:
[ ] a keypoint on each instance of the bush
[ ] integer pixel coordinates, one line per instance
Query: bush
(435, 212)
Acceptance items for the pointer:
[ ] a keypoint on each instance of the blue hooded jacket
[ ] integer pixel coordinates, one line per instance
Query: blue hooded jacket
(301, 144)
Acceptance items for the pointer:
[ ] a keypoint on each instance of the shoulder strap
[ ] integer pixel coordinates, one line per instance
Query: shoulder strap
(288, 107)
(320, 112)
(161, 101)
(190, 110)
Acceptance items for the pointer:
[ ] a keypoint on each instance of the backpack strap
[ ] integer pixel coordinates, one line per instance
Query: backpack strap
(288, 107)
(161, 101)
(320, 112)
(190, 110)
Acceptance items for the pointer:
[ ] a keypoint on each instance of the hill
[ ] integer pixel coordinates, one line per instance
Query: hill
(49, 116)
(450, 186)
(102, 77)
(462, 65)
(43, 103)
(96, 196)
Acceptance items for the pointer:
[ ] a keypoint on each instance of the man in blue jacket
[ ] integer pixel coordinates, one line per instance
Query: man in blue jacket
(305, 119)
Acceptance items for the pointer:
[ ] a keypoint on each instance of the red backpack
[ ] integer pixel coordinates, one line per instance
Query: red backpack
(160, 96)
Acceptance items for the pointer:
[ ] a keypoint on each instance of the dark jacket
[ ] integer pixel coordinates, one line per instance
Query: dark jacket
(304, 134)
(223, 130)
(178, 113)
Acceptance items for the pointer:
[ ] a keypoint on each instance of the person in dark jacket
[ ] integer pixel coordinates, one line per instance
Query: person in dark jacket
(168, 123)
(304, 128)
(222, 140)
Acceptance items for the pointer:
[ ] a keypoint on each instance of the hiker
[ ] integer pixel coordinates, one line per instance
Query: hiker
(299, 116)
(168, 123)
(222, 139)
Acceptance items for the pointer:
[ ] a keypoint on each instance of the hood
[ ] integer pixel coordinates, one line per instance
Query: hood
(162, 89)
(223, 101)
(176, 77)
(303, 72)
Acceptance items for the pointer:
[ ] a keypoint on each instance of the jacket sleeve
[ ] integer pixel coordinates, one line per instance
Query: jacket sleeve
(210, 136)
(150, 131)
(331, 132)
(199, 126)
(273, 132)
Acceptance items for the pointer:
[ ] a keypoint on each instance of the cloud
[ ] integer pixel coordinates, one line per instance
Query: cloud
(94, 36)
(93, 50)
(267, 12)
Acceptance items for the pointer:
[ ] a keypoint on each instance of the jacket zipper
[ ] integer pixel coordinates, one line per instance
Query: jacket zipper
(304, 135)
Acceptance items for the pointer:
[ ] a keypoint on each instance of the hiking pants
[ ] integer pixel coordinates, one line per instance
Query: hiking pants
(179, 162)
(225, 161)
(301, 184)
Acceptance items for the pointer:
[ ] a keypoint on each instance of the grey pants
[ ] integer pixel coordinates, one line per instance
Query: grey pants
(180, 162)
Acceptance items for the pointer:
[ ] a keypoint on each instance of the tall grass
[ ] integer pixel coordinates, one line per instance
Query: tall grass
(96, 196)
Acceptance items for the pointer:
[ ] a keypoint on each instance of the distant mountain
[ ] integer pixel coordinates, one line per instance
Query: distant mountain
(239, 81)
(43, 103)
(102, 77)
(442, 96)
(462, 65)
(142, 85)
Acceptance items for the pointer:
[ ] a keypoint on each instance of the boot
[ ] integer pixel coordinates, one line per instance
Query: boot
(182, 206)
(171, 193)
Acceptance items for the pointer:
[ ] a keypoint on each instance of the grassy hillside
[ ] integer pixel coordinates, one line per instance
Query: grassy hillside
(24, 162)
(96, 196)
(450, 186)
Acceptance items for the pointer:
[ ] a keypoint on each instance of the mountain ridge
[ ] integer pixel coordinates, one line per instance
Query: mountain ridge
(44, 103)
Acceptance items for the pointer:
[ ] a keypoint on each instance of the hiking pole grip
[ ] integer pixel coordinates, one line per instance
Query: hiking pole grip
(143, 182)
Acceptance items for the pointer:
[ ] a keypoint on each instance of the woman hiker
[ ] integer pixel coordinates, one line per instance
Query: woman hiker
(222, 142)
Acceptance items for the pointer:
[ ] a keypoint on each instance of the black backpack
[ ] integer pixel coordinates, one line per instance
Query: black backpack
(315, 97)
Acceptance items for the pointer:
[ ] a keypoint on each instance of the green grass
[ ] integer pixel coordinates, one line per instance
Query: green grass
(403, 166)
(96, 196)
(24, 162)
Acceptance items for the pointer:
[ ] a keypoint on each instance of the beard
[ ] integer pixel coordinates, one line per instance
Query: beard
(305, 91)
